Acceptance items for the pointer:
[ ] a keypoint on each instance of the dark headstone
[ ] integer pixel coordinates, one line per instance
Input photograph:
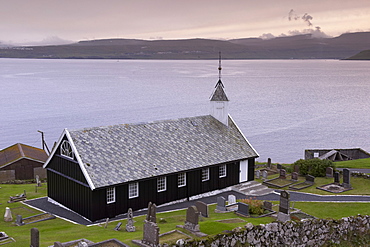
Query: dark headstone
(19, 220)
(346, 178)
(202, 208)
(282, 174)
(118, 226)
(192, 219)
(243, 209)
(267, 205)
(152, 212)
(192, 215)
(279, 166)
(310, 179)
(336, 177)
(221, 203)
(35, 237)
(284, 202)
(130, 221)
(329, 172)
(269, 163)
(294, 176)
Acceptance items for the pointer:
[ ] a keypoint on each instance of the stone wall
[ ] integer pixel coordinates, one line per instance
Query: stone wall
(312, 232)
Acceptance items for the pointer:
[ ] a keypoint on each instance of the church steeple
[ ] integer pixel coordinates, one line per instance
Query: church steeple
(219, 100)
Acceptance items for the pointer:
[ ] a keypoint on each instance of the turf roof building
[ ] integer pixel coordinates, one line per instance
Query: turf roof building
(101, 172)
(20, 162)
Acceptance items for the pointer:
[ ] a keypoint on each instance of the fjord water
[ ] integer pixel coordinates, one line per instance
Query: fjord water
(282, 106)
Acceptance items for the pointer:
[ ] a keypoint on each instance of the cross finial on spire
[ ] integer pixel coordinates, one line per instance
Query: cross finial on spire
(219, 65)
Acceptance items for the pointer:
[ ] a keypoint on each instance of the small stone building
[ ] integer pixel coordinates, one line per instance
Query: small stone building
(21, 162)
(336, 154)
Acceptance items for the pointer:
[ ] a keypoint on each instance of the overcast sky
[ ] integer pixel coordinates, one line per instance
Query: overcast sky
(50, 21)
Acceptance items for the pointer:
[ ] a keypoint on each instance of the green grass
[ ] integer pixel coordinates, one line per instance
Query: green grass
(360, 163)
(334, 210)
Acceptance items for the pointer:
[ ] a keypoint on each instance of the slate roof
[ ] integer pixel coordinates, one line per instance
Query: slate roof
(128, 152)
(18, 151)
(219, 93)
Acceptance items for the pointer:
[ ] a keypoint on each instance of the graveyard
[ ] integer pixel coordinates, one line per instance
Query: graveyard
(173, 225)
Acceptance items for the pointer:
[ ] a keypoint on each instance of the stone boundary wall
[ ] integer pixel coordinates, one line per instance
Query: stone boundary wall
(312, 232)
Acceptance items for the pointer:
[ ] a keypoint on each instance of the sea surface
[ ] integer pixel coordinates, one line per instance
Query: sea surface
(282, 106)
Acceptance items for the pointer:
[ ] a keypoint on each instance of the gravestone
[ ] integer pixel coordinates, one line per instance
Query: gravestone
(38, 182)
(294, 176)
(296, 168)
(284, 202)
(264, 174)
(35, 237)
(258, 173)
(346, 178)
(221, 203)
(310, 179)
(243, 209)
(130, 221)
(8, 215)
(202, 208)
(192, 219)
(329, 172)
(269, 163)
(151, 229)
(267, 205)
(283, 214)
(279, 166)
(152, 213)
(282, 174)
(118, 226)
(336, 178)
(231, 199)
(150, 233)
(19, 220)
(106, 223)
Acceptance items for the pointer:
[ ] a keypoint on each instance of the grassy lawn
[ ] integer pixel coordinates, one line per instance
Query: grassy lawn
(360, 163)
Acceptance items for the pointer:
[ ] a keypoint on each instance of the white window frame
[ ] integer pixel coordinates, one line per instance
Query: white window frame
(161, 184)
(205, 174)
(133, 190)
(316, 154)
(66, 149)
(111, 195)
(222, 171)
(181, 179)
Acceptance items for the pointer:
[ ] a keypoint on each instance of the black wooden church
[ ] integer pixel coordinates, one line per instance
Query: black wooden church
(101, 172)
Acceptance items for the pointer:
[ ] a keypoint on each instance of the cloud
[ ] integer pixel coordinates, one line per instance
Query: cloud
(267, 36)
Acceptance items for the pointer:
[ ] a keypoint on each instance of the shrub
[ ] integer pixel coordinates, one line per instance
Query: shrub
(255, 206)
(314, 167)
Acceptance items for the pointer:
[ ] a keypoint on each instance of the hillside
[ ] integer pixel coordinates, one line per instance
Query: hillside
(289, 47)
(363, 55)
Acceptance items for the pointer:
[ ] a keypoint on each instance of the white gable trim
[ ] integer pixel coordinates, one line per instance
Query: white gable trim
(82, 167)
(243, 135)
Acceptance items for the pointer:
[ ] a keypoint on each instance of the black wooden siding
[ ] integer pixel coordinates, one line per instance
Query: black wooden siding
(67, 185)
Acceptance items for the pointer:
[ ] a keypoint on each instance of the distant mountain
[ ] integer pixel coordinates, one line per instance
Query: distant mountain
(289, 47)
